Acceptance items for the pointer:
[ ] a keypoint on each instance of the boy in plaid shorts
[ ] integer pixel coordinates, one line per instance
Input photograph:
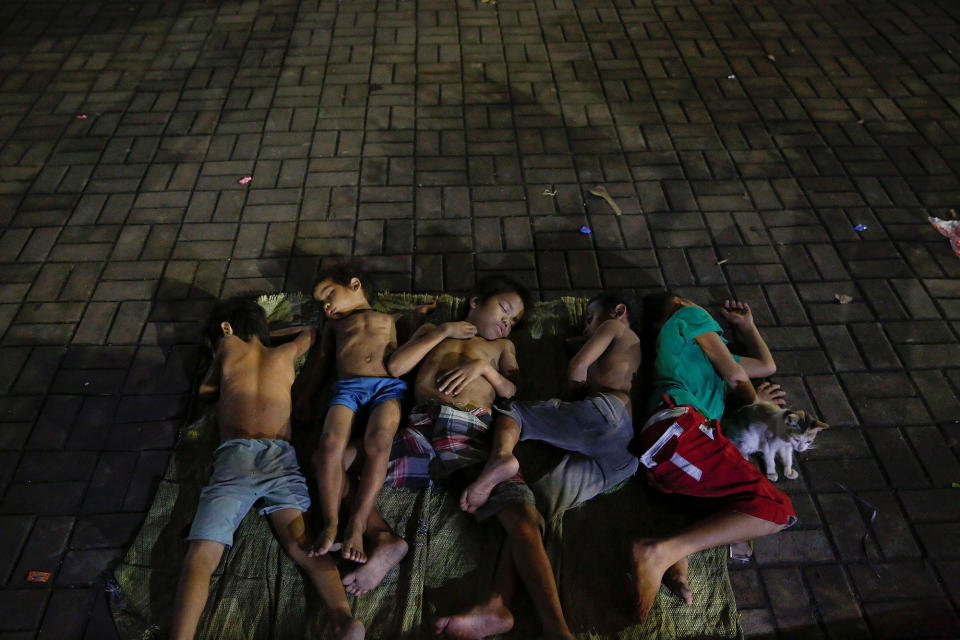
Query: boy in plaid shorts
(456, 385)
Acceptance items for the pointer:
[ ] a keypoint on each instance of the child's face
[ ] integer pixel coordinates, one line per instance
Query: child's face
(496, 316)
(338, 300)
(593, 317)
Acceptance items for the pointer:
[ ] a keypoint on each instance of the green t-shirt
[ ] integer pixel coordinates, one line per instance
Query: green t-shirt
(682, 369)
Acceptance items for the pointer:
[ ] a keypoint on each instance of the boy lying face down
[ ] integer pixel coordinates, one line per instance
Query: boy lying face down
(463, 367)
(254, 461)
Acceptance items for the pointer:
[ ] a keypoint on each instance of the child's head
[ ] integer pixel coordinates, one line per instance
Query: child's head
(603, 307)
(658, 307)
(241, 317)
(496, 306)
(341, 289)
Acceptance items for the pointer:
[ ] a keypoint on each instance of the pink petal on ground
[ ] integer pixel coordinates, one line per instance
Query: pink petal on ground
(245, 180)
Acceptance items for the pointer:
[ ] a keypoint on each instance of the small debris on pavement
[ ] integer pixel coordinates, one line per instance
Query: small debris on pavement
(860, 121)
(38, 576)
(245, 180)
(724, 261)
(731, 76)
(601, 192)
(586, 230)
(550, 192)
(842, 298)
(860, 227)
(771, 57)
(82, 116)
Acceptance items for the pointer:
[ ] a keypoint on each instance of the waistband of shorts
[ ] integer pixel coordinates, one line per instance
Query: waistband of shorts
(433, 408)
(264, 442)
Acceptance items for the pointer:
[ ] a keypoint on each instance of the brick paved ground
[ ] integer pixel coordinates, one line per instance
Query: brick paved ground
(743, 141)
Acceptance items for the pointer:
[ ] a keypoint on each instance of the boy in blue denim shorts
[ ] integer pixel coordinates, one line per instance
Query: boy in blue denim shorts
(255, 462)
(356, 341)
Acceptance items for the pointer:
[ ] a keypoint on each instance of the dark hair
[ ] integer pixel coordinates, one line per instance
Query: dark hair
(490, 286)
(246, 318)
(610, 301)
(342, 274)
(657, 307)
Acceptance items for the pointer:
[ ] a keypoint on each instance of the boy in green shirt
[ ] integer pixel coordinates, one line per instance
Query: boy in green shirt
(682, 450)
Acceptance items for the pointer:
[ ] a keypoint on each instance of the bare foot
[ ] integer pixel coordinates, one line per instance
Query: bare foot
(325, 541)
(675, 578)
(498, 468)
(487, 619)
(647, 569)
(387, 551)
(345, 627)
(353, 543)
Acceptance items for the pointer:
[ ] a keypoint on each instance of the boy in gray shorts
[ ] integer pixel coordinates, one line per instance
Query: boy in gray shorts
(595, 430)
(255, 462)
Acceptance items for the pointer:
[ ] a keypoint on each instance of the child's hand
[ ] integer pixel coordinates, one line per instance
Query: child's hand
(737, 313)
(769, 392)
(459, 330)
(425, 308)
(453, 381)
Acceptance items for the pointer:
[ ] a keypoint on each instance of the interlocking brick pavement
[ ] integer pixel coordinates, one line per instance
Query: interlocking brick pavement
(441, 141)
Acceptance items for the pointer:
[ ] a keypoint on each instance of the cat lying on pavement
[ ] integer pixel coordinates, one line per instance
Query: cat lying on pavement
(773, 431)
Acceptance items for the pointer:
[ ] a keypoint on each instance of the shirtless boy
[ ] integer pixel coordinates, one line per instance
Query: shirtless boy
(681, 448)
(357, 340)
(465, 367)
(254, 461)
(595, 430)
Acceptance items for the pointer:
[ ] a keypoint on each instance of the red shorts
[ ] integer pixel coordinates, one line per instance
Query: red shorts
(685, 453)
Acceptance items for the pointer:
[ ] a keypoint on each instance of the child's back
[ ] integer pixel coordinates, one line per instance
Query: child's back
(255, 383)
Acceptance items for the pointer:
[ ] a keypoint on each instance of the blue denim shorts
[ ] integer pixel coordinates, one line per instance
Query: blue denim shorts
(354, 393)
(245, 471)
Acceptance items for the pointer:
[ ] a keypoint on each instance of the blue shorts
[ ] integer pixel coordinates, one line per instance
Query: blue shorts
(245, 471)
(354, 393)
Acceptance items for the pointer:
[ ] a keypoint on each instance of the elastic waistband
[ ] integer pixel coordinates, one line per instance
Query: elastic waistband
(249, 442)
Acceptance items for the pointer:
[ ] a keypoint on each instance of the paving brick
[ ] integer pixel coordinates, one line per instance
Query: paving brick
(22, 608)
(914, 619)
(836, 602)
(66, 614)
(45, 547)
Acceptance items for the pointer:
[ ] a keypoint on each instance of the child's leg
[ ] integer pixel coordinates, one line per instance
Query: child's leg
(377, 441)
(490, 617)
(651, 557)
(502, 464)
(291, 530)
(328, 466)
(202, 559)
(521, 523)
(386, 550)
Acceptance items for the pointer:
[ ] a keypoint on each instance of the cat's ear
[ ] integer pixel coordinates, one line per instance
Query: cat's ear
(793, 418)
(819, 426)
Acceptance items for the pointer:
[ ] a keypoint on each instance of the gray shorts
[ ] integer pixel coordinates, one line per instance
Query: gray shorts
(595, 432)
(245, 471)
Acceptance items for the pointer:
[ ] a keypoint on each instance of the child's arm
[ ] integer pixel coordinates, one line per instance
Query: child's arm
(736, 377)
(456, 379)
(759, 361)
(592, 349)
(313, 374)
(410, 353)
(302, 343)
(210, 384)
